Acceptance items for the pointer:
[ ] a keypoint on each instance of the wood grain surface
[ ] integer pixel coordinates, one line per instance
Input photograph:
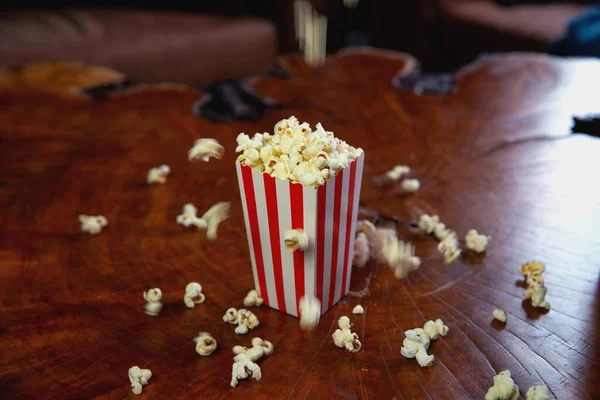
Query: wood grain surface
(497, 156)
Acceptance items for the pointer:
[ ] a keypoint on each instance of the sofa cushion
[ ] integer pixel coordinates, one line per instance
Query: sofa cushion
(147, 46)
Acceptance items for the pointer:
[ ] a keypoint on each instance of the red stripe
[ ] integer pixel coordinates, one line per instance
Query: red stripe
(253, 219)
(336, 234)
(273, 217)
(320, 253)
(297, 206)
(347, 261)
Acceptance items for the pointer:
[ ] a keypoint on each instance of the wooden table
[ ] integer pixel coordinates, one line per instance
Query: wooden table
(497, 156)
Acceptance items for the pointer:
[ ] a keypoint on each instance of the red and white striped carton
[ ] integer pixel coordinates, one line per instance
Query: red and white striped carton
(327, 214)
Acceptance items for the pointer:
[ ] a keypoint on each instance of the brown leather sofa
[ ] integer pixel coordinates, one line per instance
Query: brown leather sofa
(148, 46)
(448, 33)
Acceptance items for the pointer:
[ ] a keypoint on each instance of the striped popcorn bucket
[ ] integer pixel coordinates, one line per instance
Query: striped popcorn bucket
(327, 215)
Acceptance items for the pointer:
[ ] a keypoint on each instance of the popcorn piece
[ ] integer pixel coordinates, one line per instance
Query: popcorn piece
(231, 316)
(415, 345)
(138, 378)
(204, 149)
(244, 319)
(295, 239)
(259, 348)
(531, 267)
(193, 295)
(253, 299)
(410, 185)
(214, 216)
(441, 232)
(92, 224)
(153, 305)
(449, 248)
(428, 223)
(358, 310)
(398, 172)
(435, 329)
(205, 344)
(243, 370)
(401, 257)
(188, 217)
(158, 174)
(500, 315)
(378, 242)
(477, 242)
(343, 337)
(539, 393)
(361, 250)
(310, 313)
(504, 388)
(366, 227)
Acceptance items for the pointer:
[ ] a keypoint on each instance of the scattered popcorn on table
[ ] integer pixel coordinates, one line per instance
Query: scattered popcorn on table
(435, 329)
(417, 341)
(500, 315)
(209, 221)
(539, 393)
(243, 370)
(398, 172)
(358, 310)
(295, 239)
(204, 149)
(310, 313)
(92, 224)
(415, 345)
(477, 242)
(504, 388)
(205, 344)
(193, 295)
(536, 290)
(253, 299)
(245, 320)
(296, 153)
(138, 378)
(428, 223)
(153, 305)
(158, 174)
(449, 248)
(343, 337)
(361, 250)
(410, 185)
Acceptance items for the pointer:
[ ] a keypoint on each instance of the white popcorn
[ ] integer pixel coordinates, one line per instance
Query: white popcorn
(138, 378)
(295, 239)
(214, 216)
(504, 388)
(441, 232)
(205, 344)
(259, 348)
(539, 393)
(361, 250)
(244, 319)
(92, 224)
(428, 223)
(358, 310)
(204, 149)
(410, 185)
(231, 316)
(193, 295)
(296, 153)
(153, 305)
(253, 299)
(401, 257)
(398, 172)
(343, 337)
(188, 217)
(435, 329)
(500, 315)
(536, 290)
(415, 345)
(449, 248)
(243, 370)
(379, 238)
(477, 242)
(365, 227)
(310, 312)
(158, 174)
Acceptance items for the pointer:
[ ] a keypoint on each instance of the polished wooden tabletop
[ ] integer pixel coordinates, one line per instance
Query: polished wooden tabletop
(497, 156)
